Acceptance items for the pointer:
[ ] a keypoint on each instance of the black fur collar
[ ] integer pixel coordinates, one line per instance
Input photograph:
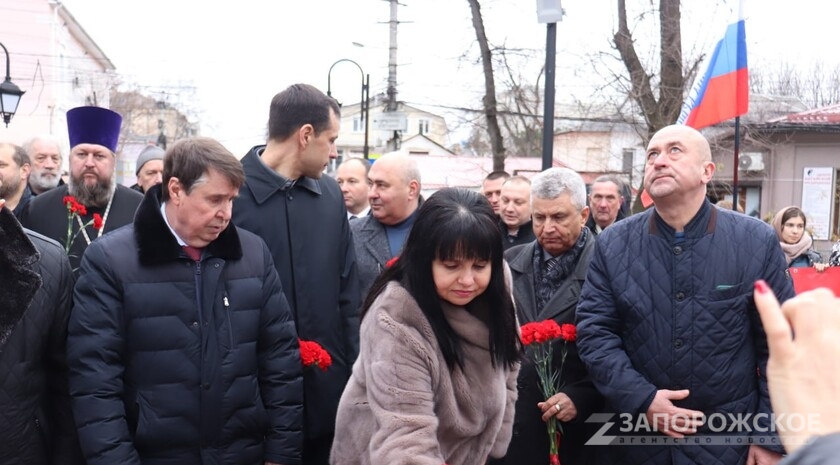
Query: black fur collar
(17, 275)
(157, 245)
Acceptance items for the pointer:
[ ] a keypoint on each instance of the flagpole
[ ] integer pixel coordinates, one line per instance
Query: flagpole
(735, 165)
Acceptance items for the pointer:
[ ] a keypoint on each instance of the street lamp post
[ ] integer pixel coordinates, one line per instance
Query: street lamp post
(9, 93)
(549, 12)
(364, 102)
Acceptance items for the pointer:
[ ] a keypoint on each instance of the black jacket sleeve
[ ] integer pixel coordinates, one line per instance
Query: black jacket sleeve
(281, 372)
(65, 442)
(349, 299)
(95, 344)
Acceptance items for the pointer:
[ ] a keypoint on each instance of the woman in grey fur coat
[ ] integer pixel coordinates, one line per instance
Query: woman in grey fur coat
(435, 381)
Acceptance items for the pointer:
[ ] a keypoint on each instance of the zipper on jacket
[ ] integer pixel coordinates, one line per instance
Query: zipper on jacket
(197, 276)
(227, 313)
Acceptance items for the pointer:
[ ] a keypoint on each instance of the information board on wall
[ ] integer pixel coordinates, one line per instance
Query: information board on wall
(816, 200)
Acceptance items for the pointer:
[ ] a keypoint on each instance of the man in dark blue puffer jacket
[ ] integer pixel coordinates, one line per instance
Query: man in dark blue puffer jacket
(181, 346)
(667, 326)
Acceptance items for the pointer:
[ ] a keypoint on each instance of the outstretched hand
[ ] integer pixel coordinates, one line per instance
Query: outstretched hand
(803, 337)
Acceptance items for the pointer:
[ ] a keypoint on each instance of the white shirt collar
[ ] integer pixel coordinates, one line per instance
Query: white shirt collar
(361, 214)
(166, 220)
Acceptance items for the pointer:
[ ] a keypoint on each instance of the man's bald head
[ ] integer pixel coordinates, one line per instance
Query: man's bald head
(679, 164)
(394, 188)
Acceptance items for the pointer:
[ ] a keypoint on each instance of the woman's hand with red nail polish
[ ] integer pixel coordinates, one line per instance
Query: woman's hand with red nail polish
(803, 336)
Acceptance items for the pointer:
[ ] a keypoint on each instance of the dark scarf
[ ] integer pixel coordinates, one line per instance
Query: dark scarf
(549, 276)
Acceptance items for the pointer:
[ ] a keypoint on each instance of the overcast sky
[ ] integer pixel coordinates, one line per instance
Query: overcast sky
(226, 63)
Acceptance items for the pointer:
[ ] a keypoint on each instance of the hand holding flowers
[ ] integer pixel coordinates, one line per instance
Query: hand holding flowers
(538, 337)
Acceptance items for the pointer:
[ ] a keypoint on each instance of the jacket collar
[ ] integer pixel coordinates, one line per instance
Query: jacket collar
(590, 222)
(18, 257)
(372, 234)
(521, 263)
(704, 222)
(156, 244)
(264, 182)
(519, 231)
(564, 299)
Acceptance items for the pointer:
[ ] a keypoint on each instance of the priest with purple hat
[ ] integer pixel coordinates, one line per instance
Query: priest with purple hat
(94, 133)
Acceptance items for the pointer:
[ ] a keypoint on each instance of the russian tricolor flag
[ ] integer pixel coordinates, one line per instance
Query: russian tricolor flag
(722, 91)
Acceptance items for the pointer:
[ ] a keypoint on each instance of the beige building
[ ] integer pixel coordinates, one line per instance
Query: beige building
(791, 160)
(351, 138)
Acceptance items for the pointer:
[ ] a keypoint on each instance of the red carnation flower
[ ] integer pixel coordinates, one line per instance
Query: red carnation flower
(568, 332)
(78, 208)
(540, 332)
(312, 354)
(73, 205)
(391, 262)
(97, 221)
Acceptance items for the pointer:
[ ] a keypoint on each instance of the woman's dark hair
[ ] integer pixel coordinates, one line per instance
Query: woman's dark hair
(455, 224)
(794, 212)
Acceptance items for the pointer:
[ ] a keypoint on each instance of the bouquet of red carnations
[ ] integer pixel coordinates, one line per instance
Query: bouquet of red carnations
(539, 336)
(312, 354)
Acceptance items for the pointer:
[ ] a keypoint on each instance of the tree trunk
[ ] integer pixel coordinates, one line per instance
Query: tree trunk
(490, 105)
(663, 111)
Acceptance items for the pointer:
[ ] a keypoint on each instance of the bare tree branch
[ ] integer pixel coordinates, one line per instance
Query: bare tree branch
(490, 106)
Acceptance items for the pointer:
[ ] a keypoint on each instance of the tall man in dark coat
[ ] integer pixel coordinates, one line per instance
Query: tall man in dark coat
(181, 345)
(93, 133)
(301, 216)
(36, 424)
(667, 325)
(547, 276)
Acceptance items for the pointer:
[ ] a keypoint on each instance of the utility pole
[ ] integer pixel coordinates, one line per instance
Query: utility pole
(394, 141)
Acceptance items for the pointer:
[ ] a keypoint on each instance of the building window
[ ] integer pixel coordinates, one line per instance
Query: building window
(358, 124)
(423, 126)
(627, 161)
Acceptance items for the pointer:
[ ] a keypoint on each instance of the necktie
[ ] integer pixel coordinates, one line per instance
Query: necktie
(353, 217)
(551, 264)
(193, 252)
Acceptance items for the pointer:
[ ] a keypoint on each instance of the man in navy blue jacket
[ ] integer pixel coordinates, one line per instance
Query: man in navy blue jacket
(181, 345)
(667, 326)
